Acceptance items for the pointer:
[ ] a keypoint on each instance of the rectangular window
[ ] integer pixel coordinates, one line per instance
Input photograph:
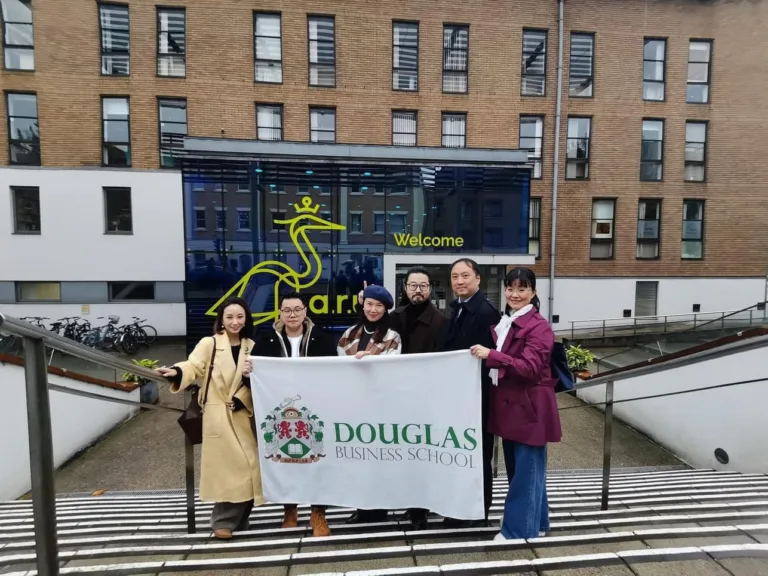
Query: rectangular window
(534, 227)
(699, 62)
(533, 74)
(269, 121)
(38, 292)
(652, 151)
(654, 68)
(221, 219)
(693, 230)
(648, 229)
(26, 210)
(454, 130)
(116, 131)
(601, 245)
(322, 51)
(200, 220)
(277, 218)
(379, 222)
(322, 123)
(582, 73)
(172, 42)
(405, 56)
(243, 220)
(268, 48)
(695, 151)
(398, 223)
(131, 291)
(404, 128)
(531, 138)
(172, 115)
(577, 160)
(455, 58)
(355, 223)
(115, 27)
(18, 35)
(118, 214)
(23, 129)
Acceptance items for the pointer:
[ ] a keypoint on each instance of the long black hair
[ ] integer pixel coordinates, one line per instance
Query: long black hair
(247, 330)
(381, 326)
(525, 278)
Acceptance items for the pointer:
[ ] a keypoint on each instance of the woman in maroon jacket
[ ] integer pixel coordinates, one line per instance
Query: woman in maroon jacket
(523, 409)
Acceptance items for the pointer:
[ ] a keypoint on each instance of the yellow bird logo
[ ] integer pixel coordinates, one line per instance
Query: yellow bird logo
(306, 219)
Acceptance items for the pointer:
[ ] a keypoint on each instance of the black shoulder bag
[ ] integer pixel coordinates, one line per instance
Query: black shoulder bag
(191, 421)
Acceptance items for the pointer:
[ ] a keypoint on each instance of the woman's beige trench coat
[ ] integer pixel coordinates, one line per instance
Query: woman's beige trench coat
(230, 469)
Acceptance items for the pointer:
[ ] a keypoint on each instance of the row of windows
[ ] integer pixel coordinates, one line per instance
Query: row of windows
(117, 291)
(118, 212)
(648, 229)
(24, 135)
(114, 27)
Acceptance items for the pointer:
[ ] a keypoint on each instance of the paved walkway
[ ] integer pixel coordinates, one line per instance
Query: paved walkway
(147, 452)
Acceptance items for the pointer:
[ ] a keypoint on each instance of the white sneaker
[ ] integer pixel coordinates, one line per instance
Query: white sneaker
(542, 534)
(499, 537)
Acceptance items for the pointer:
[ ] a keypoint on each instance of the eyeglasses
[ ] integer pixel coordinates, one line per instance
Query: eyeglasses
(414, 287)
(291, 311)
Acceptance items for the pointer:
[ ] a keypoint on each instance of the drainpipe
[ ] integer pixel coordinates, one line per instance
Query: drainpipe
(556, 163)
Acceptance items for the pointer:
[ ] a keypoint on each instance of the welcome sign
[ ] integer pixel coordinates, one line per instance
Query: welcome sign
(386, 432)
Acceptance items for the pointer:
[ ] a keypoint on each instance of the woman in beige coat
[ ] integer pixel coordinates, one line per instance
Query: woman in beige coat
(230, 475)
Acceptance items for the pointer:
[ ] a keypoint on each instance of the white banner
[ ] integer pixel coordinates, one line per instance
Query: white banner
(384, 432)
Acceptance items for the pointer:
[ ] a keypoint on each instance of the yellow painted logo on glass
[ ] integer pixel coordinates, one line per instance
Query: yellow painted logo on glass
(306, 219)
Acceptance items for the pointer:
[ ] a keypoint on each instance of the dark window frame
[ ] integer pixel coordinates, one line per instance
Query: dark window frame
(708, 83)
(524, 53)
(396, 69)
(540, 160)
(588, 157)
(196, 213)
(105, 53)
(120, 143)
(111, 293)
(19, 47)
(535, 200)
(591, 77)
(174, 164)
(415, 134)
(442, 128)
(644, 240)
(643, 140)
(703, 162)
(335, 123)
(105, 194)
(602, 241)
(256, 59)
(15, 210)
(161, 56)
(447, 50)
(281, 107)
(17, 141)
(703, 203)
(663, 81)
(310, 64)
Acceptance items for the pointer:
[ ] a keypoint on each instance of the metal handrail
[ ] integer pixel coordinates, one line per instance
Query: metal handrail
(657, 316)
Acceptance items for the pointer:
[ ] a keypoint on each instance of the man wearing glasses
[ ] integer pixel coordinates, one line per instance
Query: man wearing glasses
(294, 336)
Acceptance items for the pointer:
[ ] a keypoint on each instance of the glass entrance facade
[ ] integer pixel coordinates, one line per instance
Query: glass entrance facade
(256, 229)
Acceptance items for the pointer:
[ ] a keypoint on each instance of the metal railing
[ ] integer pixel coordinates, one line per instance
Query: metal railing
(40, 433)
(664, 323)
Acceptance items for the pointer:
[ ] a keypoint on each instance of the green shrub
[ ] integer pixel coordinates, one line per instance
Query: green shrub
(579, 358)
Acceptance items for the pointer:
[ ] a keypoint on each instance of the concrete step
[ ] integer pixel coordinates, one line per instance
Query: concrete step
(658, 523)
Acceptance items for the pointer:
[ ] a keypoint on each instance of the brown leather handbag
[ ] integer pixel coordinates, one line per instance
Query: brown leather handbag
(191, 421)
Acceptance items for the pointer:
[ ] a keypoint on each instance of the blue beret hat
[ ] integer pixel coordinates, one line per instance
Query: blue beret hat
(381, 294)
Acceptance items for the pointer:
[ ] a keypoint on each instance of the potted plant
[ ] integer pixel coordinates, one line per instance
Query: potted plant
(578, 360)
(150, 394)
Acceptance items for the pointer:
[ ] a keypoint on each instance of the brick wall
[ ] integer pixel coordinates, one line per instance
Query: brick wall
(220, 92)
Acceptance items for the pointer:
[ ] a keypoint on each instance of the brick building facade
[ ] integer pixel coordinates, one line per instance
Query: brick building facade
(640, 76)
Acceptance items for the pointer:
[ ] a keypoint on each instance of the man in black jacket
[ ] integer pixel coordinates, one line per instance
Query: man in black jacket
(471, 320)
(294, 336)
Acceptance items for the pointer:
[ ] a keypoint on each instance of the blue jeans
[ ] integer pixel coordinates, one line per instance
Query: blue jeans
(526, 509)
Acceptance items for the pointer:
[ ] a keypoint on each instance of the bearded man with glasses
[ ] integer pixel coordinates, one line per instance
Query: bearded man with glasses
(294, 336)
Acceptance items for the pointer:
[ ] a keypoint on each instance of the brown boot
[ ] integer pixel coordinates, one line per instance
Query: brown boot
(318, 523)
(290, 516)
(223, 533)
